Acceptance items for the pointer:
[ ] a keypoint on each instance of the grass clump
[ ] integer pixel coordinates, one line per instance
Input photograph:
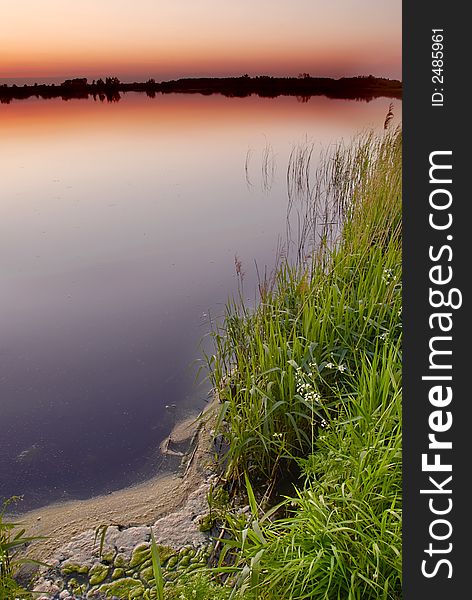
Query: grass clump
(198, 586)
(310, 390)
(12, 539)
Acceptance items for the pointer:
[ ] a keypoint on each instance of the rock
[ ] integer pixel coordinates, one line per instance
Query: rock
(85, 548)
(125, 541)
(81, 550)
(46, 587)
(116, 562)
(179, 528)
(30, 455)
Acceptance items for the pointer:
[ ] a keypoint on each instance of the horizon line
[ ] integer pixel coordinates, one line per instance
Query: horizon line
(96, 78)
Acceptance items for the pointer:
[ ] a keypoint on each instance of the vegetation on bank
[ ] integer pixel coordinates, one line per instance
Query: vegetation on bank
(310, 390)
(12, 539)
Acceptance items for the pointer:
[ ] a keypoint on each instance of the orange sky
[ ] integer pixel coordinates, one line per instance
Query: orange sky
(173, 38)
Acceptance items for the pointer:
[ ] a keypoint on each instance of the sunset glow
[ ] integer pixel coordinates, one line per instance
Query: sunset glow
(165, 39)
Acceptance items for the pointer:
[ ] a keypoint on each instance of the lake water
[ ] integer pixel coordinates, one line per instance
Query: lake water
(119, 227)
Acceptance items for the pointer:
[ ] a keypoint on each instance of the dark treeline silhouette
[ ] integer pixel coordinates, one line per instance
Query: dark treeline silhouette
(303, 87)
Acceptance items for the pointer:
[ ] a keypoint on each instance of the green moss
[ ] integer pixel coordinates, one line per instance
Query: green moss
(220, 498)
(136, 594)
(141, 553)
(141, 556)
(172, 562)
(118, 573)
(147, 574)
(98, 573)
(165, 553)
(72, 583)
(123, 588)
(70, 567)
(146, 564)
(206, 522)
(121, 562)
(80, 589)
(185, 561)
(108, 557)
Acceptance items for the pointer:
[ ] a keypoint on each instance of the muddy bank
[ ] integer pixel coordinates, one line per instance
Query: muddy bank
(139, 505)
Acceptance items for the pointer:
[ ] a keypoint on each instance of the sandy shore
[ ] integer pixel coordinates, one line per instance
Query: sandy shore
(141, 504)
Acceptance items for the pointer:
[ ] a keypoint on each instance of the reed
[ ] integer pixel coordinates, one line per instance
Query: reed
(313, 320)
(12, 541)
(310, 390)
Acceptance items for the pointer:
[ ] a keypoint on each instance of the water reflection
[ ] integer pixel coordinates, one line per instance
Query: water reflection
(119, 228)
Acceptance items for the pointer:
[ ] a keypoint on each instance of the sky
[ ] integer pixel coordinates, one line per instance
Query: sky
(167, 39)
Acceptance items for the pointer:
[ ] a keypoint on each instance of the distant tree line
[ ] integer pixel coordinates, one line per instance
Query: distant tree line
(303, 87)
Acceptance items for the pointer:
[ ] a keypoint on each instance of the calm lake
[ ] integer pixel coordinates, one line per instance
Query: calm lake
(119, 227)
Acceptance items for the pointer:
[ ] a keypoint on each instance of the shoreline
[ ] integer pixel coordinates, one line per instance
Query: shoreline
(137, 505)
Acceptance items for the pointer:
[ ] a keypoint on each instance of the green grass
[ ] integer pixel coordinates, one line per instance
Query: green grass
(313, 323)
(310, 384)
(12, 539)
